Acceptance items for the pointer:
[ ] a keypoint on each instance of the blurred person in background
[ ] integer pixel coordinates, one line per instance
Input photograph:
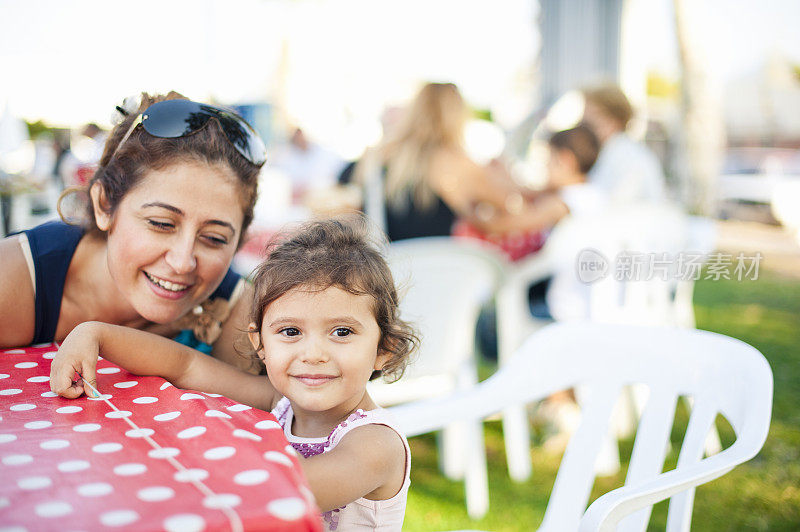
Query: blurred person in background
(165, 212)
(311, 168)
(627, 170)
(424, 180)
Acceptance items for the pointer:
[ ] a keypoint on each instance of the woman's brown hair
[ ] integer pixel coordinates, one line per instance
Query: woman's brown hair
(123, 166)
(337, 252)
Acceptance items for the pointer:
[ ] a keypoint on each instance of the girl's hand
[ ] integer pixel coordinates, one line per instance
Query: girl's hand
(78, 353)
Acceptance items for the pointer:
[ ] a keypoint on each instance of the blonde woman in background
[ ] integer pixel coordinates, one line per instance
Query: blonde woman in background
(428, 180)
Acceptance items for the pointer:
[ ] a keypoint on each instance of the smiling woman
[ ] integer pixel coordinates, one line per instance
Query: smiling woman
(167, 209)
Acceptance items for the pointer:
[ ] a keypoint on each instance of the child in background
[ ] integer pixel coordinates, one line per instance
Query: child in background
(324, 321)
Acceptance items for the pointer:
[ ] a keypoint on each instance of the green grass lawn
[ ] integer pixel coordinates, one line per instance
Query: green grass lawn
(762, 494)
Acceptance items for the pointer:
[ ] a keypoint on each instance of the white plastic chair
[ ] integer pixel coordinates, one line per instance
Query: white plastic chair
(723, 375)
(447, 282)
(657, 298)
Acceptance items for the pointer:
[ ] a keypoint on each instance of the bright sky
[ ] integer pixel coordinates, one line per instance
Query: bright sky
(338, 61)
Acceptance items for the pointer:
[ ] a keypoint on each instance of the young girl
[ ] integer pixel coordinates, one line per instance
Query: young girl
(324, 321)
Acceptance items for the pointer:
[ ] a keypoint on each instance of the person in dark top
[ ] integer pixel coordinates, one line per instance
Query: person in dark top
(166, 211)
(425, 179)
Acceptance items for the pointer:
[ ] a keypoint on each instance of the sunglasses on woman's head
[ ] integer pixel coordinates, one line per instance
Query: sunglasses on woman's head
(171, 119)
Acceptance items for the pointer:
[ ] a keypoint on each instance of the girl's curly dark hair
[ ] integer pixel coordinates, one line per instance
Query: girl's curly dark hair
(337, 252)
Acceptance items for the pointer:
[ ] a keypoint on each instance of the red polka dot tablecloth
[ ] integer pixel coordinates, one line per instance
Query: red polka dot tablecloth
(144, 456)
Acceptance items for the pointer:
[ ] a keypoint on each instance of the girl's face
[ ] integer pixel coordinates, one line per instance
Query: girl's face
(320, 348)
(172, 238)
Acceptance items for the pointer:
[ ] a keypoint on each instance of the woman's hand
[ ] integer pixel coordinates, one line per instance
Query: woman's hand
(77, 354)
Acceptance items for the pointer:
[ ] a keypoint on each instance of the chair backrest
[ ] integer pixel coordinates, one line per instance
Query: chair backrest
(722, 376)
(443, 284)
(640, 245)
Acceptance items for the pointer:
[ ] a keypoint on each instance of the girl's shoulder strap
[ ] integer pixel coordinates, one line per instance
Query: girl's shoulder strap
(281, 410)
(359, 418)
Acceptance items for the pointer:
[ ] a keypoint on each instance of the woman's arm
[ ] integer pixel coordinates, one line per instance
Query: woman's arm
(541, 214)
(369, 462)
(16, 296)
(462, 183)
(143, 353)
(467, 187)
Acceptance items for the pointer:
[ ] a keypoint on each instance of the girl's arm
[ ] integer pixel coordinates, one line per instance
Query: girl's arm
(370, 462)
(143, 353)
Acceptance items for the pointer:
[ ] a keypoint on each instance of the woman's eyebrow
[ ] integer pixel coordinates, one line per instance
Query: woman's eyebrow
(179, 212)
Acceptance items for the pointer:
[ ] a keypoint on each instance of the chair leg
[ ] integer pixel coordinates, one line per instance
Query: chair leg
(476, 481)
(453, 451)
(516, 433)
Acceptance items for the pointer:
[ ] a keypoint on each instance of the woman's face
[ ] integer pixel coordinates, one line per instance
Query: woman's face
(172, 238)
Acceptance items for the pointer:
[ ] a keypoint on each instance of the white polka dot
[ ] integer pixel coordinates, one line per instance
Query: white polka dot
(26, 365)
(4, 376)
(238, 408)
(165, 386)
(119, 517)
(103, 397)
(53, 509)
(17, 459)
(13, 529)
(4, 502)
(164, 452)
(73, 465)
(108, 371)
(86, 427)
(110, 447)
(10, 391)
(251, 477)
(267, 424)
(95, 489)
(155, 494)
(126, 384)
(41, 378)
(127, 470)
(278, 457)
(49, 394)
(54, 444)
(289, 449)
(212, 394)
(191, 432)
(288, 509)
(34, 483)
(187, 396)
(190, 475)
(139, 433)
(34, 425)
(217, 413)
(240, 433)
(50, 355)
(15, 352)
(21, 407)
(184, 523)
(6, 438)
(168, 416)
(219, 453)
(118, 414)
(222, 500)
(145, 400)
(68, 409)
